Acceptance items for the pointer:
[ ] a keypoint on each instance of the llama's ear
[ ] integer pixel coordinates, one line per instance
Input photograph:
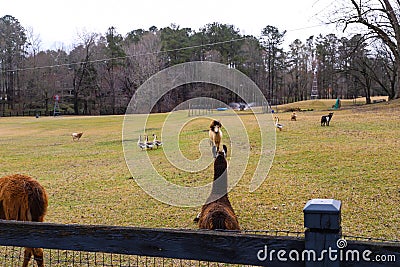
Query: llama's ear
(225, 150)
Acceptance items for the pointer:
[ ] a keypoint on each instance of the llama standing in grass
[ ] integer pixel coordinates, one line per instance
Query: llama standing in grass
(22, 198)
(215, 135)
(219, 214)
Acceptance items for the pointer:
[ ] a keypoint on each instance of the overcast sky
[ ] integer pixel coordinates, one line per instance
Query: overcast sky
(59, 22)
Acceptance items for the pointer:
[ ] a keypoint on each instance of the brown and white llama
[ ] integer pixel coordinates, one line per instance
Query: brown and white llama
(219, 214)
(22, 198)
(76, 136)
(215, 135)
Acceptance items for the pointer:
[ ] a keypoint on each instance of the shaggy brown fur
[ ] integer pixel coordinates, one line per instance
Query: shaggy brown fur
(22, 198)
(76, 136)
(215, 134)
(219, 213)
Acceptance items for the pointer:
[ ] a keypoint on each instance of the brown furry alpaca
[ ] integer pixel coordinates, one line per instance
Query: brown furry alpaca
(219, 213)
(76, 136)
(22, 198)
(215, 135)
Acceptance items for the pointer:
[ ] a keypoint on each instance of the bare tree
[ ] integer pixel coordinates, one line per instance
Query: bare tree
(142, 62)
(298, 58)
(81, 59)
(272, 40)
(386, 69)
(380, 18)
(34, 41)
(32, 73)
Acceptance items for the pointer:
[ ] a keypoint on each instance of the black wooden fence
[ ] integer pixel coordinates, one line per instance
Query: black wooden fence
(21, 113)
(315, 248)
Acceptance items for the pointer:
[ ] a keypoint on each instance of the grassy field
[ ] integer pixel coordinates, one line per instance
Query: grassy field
(355, 160)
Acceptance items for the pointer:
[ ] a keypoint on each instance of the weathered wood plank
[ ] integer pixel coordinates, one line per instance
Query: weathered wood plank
(203, 245)
(214, 246)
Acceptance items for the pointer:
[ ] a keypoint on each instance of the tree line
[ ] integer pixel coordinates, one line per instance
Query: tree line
(102, 72)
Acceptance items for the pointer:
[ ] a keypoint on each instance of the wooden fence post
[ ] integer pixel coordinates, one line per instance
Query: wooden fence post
(322, 219)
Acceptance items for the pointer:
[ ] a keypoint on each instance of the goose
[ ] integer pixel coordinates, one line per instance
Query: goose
(277, 124)
(149, 144)
(157, 142)
(141, 144)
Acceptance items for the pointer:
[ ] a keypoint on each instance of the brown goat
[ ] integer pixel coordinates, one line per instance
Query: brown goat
(293, 117)
(219, 214)
(77, 136)
(22, 198)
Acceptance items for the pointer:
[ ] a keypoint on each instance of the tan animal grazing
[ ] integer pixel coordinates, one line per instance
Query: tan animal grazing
(293, 117)
(22, 198)
(77, 136)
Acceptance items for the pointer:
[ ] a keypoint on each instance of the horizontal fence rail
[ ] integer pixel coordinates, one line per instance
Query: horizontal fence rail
(203, 245)
(200, 245)
(321, 244)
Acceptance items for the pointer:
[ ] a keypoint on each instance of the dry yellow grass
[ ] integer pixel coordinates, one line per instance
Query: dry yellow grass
(354, 160)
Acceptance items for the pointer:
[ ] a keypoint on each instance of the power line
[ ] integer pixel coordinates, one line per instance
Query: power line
(149, 53)
(310, 27)
(127, 56)
(153, 53)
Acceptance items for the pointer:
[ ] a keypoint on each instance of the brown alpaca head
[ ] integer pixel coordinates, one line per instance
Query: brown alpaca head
(215, 126)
